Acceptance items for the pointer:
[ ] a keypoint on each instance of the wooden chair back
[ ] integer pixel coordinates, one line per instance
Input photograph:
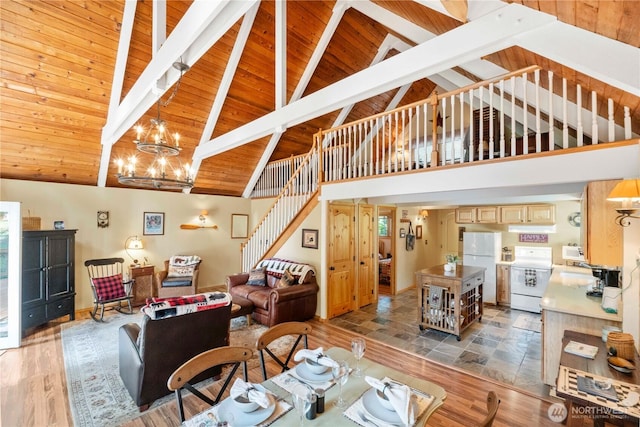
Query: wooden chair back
(180, 378)
(492, 409)
(108, 267)
(301, 329)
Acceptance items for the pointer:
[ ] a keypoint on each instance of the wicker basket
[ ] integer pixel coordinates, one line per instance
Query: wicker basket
(623, 343)
(31, 223)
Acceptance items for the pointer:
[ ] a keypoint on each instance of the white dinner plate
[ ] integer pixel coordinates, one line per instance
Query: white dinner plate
(373, 406)
(303, 372)
(247, 419)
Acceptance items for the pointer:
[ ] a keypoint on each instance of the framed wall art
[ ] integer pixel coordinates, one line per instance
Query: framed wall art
(153, 224)
(239, 226)
(403, 233)
(310, 238)
(418, 232)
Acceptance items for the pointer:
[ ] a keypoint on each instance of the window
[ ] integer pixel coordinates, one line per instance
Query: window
(384, 230)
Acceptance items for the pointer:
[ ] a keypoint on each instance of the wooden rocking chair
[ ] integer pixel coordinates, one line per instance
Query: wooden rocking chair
(108, 286)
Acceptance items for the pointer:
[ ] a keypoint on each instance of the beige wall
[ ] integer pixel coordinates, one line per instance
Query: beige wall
(77, 206)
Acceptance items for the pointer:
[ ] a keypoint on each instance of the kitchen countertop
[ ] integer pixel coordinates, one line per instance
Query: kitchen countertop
(505, 262)
(566, 293)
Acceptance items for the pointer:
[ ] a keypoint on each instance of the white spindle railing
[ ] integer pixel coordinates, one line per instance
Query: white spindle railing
(409, 138)
(293, 196)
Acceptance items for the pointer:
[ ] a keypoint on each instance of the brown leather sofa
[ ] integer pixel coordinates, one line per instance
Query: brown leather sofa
(150, 352)
(273, 305)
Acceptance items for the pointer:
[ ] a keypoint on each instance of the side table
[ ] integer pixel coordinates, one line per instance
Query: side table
(143, 287)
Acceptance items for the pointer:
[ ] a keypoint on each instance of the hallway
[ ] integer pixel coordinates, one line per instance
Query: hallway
(492, 348)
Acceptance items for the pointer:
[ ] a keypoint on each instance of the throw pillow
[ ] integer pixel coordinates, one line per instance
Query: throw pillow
(181, 270)
(258, 277)
(109, 288)
(287, 279)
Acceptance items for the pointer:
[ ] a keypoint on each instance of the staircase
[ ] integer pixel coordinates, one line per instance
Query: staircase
(513, 115)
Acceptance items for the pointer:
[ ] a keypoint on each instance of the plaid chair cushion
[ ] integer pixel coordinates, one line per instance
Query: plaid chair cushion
(109, 288)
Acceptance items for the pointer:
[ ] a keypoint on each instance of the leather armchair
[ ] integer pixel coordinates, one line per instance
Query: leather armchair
(167, 287)
(150, 352)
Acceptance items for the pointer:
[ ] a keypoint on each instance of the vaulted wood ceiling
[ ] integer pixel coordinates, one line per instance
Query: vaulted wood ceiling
(59, 60)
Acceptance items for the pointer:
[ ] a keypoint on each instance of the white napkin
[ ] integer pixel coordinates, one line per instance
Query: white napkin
(399, 396)
(317, 356)
(241, 387)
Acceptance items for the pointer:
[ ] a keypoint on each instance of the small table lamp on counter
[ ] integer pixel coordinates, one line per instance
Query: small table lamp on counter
(133, 243)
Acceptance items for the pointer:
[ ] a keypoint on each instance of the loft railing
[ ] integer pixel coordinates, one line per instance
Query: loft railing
(513, 115)
(293, 196)
(486, 120)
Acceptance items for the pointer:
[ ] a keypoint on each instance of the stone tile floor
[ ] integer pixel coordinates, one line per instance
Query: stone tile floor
(491, 348)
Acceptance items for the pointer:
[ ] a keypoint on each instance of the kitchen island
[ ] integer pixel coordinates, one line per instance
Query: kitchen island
(566, 306)
(449, 301)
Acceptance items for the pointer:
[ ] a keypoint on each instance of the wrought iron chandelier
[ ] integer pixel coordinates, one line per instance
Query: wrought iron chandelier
(159, 142)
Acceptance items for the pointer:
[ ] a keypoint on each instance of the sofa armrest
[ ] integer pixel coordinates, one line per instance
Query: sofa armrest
(158, 277)
(131, 365)
(292, 292)
(236, 280)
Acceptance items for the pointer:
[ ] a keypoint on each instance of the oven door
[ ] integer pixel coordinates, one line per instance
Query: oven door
(529, 281)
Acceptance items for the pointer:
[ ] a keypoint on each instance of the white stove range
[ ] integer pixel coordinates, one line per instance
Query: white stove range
(530, 274)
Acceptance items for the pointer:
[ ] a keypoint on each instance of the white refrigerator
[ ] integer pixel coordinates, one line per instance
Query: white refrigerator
(483, 250)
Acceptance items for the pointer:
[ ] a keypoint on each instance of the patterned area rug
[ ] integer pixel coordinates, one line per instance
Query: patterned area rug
(97, 395)
(529, 323)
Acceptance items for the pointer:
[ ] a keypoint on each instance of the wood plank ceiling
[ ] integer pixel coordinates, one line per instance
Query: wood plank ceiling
(58, 61)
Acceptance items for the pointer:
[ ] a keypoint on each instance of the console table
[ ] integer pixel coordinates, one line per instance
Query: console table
(143, 286)
(457, 306)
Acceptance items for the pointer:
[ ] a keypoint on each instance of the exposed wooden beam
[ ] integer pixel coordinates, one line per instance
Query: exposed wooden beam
(450, 49)
(281, 53)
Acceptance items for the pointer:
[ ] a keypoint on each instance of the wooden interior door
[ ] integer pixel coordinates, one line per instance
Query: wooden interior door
(366, 253)
(341, 259)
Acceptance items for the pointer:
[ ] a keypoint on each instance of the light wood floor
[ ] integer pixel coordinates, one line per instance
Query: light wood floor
(34, 390)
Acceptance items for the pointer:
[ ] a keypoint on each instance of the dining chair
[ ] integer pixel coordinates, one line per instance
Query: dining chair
(492, 409)
(108, 287)
(220, 356)
(301, 329)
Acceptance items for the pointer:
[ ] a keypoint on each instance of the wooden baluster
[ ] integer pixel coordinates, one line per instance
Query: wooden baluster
(525, 118)
(481, 121)
(502, 140)
(565, 123)
(594, 118)
(551, 126)
(471, 140)
(612, 123)
(513, 116)
(491, 141)
(444, 132)
(461, 142)
(452, 98)
(579, 115)
(627, 123)
(536, 75)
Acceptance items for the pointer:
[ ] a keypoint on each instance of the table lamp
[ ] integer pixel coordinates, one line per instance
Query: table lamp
(133, 243)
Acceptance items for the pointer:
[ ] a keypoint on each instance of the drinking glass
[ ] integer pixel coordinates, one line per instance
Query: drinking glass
(340, 375)
(301, 397)
(358, 346)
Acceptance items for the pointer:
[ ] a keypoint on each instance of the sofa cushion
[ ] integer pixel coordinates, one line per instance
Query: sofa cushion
(287, 279)
(245, 290)
(181, 270)
(171, 282)
(260, 299)
(108, 288)
(258, 277)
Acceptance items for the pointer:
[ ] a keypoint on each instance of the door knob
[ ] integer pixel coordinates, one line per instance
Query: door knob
(332, 268)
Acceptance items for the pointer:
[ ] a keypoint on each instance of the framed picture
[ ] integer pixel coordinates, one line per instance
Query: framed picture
(418, 232)
(58, 225)
(310, 238)
(403, 233)
(239, 226)
(153, 224)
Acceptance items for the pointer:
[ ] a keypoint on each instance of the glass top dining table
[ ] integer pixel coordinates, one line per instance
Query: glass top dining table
(433, 395)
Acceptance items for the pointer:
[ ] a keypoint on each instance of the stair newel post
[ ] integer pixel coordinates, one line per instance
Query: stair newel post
(434, 130)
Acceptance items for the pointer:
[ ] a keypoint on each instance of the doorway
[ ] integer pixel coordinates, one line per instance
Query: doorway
(386, 250)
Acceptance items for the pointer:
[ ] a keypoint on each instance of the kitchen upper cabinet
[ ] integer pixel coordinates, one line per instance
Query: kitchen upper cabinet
(602, 236)
(477, 215)
(528, 214)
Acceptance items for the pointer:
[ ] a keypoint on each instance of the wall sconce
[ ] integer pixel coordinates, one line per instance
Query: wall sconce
(423, 213)
(133, 243)
(203, 217)
(627, 192)
(203, 222)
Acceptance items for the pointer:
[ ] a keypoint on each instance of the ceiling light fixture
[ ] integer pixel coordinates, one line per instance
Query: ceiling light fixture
(159, 142)
(627, 192)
